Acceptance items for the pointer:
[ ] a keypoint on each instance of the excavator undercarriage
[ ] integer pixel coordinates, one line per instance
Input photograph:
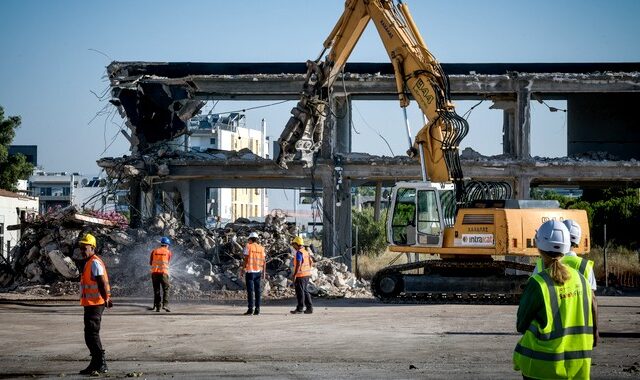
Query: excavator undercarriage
(451, 281)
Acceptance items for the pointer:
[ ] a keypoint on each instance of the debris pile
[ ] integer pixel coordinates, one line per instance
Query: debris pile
(204, 263)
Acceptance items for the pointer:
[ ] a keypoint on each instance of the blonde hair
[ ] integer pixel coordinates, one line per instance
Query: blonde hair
(557, 270)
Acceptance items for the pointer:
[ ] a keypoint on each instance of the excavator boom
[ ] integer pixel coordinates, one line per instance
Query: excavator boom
(417, 73)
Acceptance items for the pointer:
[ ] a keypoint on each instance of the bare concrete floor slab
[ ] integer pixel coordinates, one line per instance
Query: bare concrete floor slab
(360, 339)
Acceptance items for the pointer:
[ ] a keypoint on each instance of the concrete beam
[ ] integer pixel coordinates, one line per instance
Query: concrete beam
(367, 169)
(382, 87)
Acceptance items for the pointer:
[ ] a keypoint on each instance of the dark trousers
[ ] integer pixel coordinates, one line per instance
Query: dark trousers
(253, 288)
(92, 319)
(302, 293)
(158, 280)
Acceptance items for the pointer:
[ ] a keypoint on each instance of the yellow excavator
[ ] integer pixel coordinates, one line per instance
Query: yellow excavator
(477, 238)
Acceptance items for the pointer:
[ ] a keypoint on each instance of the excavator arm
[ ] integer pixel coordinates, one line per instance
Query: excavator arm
(417, 73)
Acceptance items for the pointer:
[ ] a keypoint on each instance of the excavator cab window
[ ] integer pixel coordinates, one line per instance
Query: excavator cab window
(404, 216)
(429, 223)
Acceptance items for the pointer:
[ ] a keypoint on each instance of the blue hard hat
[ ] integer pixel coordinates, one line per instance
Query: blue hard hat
(165, 240)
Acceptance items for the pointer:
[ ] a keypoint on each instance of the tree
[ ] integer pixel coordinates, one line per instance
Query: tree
(12, 168)
(371, 234)
(617, 207)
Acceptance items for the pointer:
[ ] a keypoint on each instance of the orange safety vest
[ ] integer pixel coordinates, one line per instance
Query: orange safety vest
(254, 261)
(160, 260)
(90, 294)
(305, 266)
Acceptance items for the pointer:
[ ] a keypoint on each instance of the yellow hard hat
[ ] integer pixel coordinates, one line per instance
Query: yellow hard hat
(298, 240)
(89, 240)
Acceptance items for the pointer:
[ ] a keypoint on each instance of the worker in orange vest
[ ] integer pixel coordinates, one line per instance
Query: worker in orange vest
(95, 295)
(159, 261)
(301, 276)
(254, 268)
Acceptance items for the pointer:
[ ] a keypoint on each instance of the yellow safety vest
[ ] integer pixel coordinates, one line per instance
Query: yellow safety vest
(580, 264)
(562, 348)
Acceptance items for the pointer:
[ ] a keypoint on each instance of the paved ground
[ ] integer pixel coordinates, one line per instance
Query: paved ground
(342, 339)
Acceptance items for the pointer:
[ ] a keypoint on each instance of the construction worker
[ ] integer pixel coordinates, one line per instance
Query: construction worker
(95, 295)
(254, 268)
(555, 314)
(301, 275)
(159, 261)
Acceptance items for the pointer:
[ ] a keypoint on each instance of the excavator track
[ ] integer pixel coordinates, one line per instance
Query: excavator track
(448, 281)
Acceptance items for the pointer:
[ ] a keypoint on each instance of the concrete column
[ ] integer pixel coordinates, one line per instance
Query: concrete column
(148, 201)
(135, 203)
(342, 112)
(337, 130)
(195, 203)
(329, 243)
(336, 228)
(376, 210)
(523, 120)
(509, 129)
(523, 187)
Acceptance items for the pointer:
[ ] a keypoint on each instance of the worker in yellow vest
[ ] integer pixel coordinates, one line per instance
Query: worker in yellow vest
(254, 268)
(159, 261)
(301, 275)
(555, 314)
(95, 295)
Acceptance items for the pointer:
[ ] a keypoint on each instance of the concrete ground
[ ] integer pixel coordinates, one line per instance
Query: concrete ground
(345, 338)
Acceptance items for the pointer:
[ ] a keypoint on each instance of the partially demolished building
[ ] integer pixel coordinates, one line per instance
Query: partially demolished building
(157, 100)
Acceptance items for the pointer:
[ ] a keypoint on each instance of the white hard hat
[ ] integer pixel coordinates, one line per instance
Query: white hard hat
(253, 235)
(553, 236)
(575, 232)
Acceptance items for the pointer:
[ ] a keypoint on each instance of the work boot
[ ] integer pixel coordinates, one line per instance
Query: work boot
(91, 367)
(256, 311)
(248, 312)
(101, 366)
(309, 310)
(296, 311)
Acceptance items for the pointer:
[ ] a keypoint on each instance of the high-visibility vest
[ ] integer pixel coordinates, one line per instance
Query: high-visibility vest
(580, 264)
(562, 348)
(254, 261)
(89, 292)
(305, 266)
(160, 260)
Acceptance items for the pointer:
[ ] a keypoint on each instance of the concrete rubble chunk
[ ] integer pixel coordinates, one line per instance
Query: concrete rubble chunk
(122, 238)
(63, 264)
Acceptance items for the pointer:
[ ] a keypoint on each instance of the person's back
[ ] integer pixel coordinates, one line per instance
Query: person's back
(555, 314)
(159, 262)
(558, 345)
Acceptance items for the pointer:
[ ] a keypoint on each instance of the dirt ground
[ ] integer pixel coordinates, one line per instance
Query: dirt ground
(346, 338)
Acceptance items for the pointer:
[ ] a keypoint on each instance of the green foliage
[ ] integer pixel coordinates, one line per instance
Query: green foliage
(618, 208)
(15, 167)
(371, 234)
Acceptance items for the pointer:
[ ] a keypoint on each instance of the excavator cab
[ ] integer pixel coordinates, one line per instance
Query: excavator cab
(419, 213)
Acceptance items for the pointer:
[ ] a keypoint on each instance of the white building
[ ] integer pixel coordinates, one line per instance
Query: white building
(94, 194)
(11, 205)
(229, 132)
(54, 189)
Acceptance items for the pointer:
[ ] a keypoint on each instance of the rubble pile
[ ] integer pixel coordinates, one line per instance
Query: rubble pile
(204, 262)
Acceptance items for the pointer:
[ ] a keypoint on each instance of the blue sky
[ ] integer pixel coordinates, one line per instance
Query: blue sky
(49, 65)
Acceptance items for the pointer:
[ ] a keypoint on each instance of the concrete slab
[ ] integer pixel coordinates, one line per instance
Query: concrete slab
(360, 339)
